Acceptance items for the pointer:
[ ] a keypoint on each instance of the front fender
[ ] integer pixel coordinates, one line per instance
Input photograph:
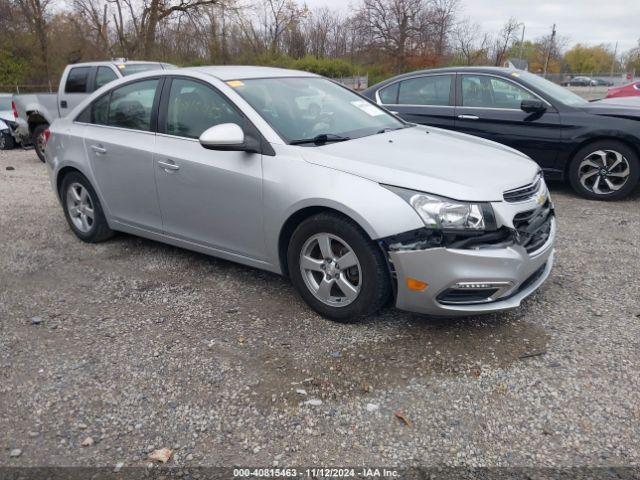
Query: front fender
(291, 185)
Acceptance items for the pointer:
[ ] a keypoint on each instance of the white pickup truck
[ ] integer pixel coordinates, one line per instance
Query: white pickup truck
(35, 112)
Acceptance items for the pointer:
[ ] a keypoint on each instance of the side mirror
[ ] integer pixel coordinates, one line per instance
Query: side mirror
(532, 106)
(226, 136)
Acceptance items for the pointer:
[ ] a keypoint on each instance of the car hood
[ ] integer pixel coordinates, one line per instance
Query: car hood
(431, 160)
(612, 110)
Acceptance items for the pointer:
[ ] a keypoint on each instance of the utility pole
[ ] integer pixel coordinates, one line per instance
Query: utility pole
(546, 61)
(522, 43)
(613, 60)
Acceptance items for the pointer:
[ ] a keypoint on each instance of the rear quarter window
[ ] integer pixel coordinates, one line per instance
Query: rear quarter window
(389, 95)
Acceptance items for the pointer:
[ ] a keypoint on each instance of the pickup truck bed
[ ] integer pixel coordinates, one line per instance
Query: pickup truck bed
(36, 111)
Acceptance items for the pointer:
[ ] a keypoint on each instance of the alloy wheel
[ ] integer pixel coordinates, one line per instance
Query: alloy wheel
(80, 207)
(330, 269)
(604, 172)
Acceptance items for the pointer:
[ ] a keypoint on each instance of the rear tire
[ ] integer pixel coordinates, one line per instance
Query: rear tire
(604, 170)
(343, 293)
(6, 141)
(82, 209)
(39, 141)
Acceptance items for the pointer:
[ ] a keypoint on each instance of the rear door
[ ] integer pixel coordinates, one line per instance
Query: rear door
(426, 99)
(119, 142)
(76, 86)
(489, 107)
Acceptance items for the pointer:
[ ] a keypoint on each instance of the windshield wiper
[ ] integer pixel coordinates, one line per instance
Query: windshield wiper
(321, 139)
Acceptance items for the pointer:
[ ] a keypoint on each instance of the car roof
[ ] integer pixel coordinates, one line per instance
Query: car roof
(114, 62)
(495, 70)
(244, 72)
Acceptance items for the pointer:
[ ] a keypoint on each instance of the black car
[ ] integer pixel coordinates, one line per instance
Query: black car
(595, 147)
(601, 82)
(580, 82)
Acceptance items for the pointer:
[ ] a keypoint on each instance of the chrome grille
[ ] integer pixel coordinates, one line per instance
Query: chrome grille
(522, 194)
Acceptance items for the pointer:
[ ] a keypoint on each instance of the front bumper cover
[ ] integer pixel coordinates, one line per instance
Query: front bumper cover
(442, 267)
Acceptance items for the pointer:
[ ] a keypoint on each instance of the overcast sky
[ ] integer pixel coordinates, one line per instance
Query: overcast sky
(586, 21)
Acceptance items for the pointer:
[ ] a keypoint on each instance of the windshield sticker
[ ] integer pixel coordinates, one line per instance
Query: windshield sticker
(367, 108)
(235, 83)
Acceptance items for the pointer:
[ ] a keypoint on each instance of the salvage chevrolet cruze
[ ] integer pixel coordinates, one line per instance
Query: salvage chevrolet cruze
(289, 172)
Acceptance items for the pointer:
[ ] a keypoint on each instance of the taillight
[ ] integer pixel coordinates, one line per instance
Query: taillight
(15, 110)
(46, 135)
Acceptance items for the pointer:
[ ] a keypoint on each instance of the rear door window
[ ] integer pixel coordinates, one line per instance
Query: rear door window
(77, 80)
(430, 90)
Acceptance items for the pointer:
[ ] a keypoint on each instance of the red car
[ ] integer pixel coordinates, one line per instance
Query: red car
(630, 90)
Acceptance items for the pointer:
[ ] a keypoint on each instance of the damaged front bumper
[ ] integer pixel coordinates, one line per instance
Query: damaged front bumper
(463, 278)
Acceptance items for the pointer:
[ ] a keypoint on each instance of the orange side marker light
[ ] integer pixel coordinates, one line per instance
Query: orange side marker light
(416, 285)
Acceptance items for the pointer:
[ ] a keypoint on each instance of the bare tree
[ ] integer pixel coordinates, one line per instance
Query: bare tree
(504, 40)
(392, 25)
(278, 16)
(442, 15)
(470, 42)
(35, 14)
(95, 12)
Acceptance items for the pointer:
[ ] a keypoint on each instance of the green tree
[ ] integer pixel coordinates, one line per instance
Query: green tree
(584, 59)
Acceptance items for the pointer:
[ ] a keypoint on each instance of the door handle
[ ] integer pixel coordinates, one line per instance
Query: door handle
(63, 104)
(468, 117)
(166, 166)
(99, 149)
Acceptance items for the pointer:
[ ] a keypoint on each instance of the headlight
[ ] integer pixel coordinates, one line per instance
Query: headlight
(446, 214)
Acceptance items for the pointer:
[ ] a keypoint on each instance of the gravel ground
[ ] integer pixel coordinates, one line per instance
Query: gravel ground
(140, 346)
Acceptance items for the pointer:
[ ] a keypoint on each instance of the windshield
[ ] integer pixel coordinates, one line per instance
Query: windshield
(131, 68)
(5, 103)
(301, 108)
(553, 90)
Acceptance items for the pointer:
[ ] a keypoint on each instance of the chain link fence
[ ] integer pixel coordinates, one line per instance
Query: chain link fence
(18, 89)
(605, 79)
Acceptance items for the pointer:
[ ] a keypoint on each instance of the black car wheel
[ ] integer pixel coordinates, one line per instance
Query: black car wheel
(6, 140)
(604, 170)
(337, 269)
(39, 140)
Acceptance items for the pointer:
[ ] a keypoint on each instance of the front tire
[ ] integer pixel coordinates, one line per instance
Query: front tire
(337, 269)
(82, 209)
(604, 170)
(39, 140)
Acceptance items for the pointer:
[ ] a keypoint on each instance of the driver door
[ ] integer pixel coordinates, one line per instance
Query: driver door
(489, 107)
(208, 197)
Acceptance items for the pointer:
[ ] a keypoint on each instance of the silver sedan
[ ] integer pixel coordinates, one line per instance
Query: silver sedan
(289, 172)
